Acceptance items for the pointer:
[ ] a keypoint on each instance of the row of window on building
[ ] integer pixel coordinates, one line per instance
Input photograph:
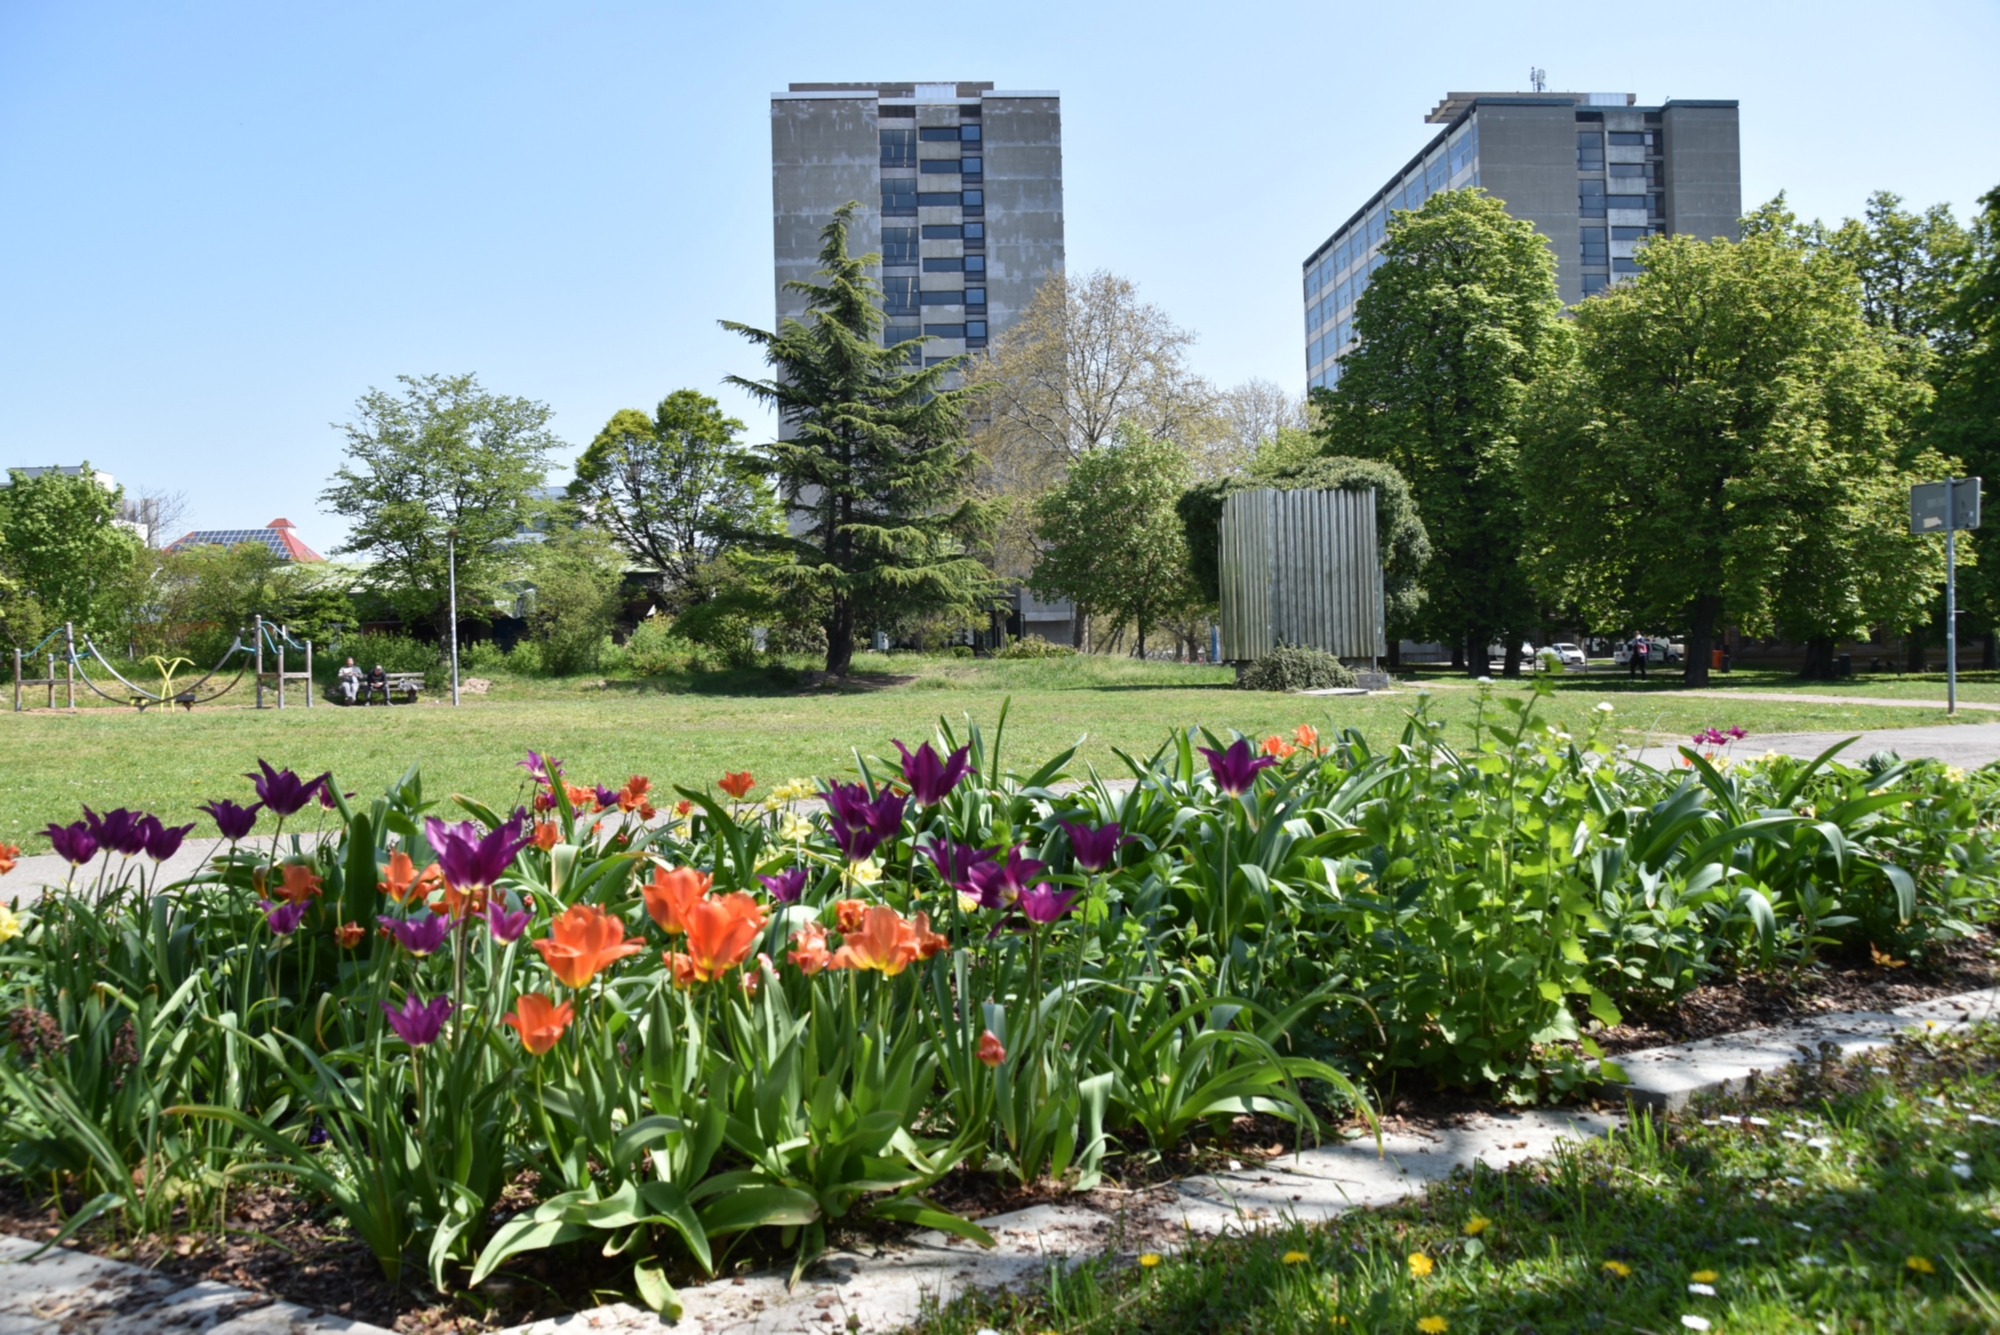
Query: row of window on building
(906, 299)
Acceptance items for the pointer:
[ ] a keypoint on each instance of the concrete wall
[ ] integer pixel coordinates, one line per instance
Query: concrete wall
(1704, 167)
(1024, 201)
(824, 152)
(1527, 158)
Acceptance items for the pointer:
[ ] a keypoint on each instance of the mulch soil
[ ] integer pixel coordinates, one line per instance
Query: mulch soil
(280, 1242)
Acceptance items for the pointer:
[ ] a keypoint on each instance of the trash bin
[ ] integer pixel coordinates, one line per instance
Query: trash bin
(1718, 659)
(1844, 666)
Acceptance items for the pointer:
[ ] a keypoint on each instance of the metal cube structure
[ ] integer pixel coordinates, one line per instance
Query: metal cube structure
(1303, 568)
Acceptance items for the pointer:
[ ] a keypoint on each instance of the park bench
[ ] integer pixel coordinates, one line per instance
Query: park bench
(399, 683)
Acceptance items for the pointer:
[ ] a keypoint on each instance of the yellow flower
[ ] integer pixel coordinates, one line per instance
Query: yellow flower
(1433, 1325)
(1921, 1265)
(794, 828)
(1421, 1265)
(1617, 1268)
(1149, 1260)
(11, 923)
(1295, 1258)
(1476, 1225)
(1704, 1277)
(862, 873)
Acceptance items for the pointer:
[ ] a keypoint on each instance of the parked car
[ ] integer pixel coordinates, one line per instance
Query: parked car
(1659, 651)
(1569, 655)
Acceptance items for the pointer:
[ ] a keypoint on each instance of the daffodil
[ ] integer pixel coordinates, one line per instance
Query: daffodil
(794, 828)
(12, 924)
(866, 872)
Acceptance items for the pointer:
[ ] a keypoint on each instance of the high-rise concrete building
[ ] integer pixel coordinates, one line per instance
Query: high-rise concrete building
(960, 190)
(1595, 173)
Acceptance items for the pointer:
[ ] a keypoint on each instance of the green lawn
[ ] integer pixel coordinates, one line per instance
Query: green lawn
(1864, 1197)
(688, 730)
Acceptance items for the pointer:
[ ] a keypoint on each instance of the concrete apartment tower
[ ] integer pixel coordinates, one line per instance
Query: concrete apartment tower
(1594, 172)
(960, 190)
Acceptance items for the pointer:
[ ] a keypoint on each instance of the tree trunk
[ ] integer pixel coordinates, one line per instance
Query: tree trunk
(1395, 658)
(1819, 660)
(1079, 628)
(1142, 639)
(840, 638)
(1989, 650)
(1458, 657)
(1512, 662)
(1915, 643)
(1701, 638)
(1477, 662)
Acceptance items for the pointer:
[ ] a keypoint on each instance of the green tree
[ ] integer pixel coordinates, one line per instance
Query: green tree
(672, 488)
(1733, 439)
(1909, 266)
(442, 455)
(871, 463)
(1110, 537)
(1965, 419)
(1458, 323)
(65, 555)
(577, 574)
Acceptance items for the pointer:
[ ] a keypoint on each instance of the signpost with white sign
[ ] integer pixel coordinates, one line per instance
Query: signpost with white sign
(1947, 507)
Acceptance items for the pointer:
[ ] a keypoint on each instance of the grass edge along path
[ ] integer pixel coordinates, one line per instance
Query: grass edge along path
(1842, 1195)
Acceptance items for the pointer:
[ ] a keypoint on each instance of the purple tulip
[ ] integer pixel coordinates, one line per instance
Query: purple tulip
(119, 831)
(544, 770)
(1095, 849)
(859, 824)
(929, 777)
(73, 842)
(421, 935)
(1736, 733)
(283, 918)
(233, 821)
(284, 792)
(787, 885)
(998, 884)
(1235, 770)
(469, 860)
(1044, 903)
(956, 863)
(418, 1023)
(163, 841)
(505, 926)
(607, 798)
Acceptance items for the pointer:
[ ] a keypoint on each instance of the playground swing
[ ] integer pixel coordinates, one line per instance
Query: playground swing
(74, 657)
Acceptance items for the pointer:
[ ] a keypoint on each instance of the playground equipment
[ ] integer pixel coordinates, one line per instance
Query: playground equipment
(77, 652)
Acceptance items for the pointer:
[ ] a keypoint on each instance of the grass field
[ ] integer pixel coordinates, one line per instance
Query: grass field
(687, 730)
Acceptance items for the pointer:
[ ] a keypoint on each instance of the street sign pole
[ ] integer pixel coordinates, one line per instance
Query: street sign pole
(1950, 597)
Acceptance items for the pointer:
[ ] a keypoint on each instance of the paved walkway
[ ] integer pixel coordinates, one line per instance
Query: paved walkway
(1894, 702)
(1966, 745)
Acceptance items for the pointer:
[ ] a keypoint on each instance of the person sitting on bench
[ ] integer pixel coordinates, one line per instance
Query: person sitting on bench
(349, 681)
(378, 680)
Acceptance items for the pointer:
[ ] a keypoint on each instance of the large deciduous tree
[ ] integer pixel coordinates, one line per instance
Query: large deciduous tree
(872, 465)
(1110, 538)
(62, 552)
(1458, 323)
(1733, 440)
(1965, 420)
(442, 455)
(672, 488)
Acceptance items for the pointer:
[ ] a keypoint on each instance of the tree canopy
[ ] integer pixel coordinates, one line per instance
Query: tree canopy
(871, 464)
(63, 556)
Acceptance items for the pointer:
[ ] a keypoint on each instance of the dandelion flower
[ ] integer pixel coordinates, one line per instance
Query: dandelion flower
(1433, 1325)
(1149, 1260)
(1476, 1225)
(1295, 1258)
(1921, 1264)
(1704, 1277)
(1617, 1269)
(1420, 1265)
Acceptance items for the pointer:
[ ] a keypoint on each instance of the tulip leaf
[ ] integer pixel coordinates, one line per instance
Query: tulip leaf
(655, 1291)
(755, 1207)
(523, 1235)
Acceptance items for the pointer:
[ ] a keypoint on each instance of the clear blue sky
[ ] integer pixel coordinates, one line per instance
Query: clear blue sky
(220, 223)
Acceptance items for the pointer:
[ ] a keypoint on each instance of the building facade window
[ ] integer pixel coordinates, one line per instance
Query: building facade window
(899, 148)
(944, 331)
(975, 329)
(943, 231)
(899, 294)
(1595, 249)
(968, 133)
(975, 264)
(975, 296)
(975, 199)
(937, 199)
(1590, 199)
(900, 333)
(899, 198)
(954, 297)
(937, 134)
(944, 264)
(1589, 151)
(971, 166)
(940, 166)
(899, 245)
(1593, 283)
(975, 233)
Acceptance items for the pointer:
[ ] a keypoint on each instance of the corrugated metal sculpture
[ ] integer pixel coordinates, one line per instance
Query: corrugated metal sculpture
(1302, 567)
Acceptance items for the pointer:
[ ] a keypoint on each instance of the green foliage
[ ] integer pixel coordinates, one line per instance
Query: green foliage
(1291, 667)
(577, 574)
(396, 653)
(61, 553)
(202, 598)
(1034, 646)
(875, 472)
(1294, 466)
(654, 647)
(1109, 538)
(443, 455)
(1965, 421)
(673, 489)
(1457, 325)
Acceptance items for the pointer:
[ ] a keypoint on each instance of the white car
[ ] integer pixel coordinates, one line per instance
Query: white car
(1657, 653)
(1569, 655)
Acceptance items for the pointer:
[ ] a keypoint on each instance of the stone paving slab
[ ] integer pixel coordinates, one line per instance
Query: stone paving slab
(65, 1292)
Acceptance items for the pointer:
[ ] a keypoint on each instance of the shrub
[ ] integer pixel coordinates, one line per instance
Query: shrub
(1291, 667)
(654, 648)
(396, 653)
(1034, 646)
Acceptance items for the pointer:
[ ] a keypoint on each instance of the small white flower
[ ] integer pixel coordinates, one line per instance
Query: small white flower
(1695, 1322)
(1810, 1260)
(1486, 681)
(1818, 1143)
(1796, 1181)
(1963, 1170)
(1603, 706)
(1982, 1119)
(1890, 1101)
(1803, 1228)
(1961, 1156)
(986, 1330)
(1711, 1121)
(1791, 1135)
(1931, 1121)
(1934, 1100)
(1705, 1290)
(1879, 1070)
(1748, 1242)
(1758, 1121)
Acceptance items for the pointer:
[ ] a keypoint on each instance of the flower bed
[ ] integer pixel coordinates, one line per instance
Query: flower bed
(736, 1029)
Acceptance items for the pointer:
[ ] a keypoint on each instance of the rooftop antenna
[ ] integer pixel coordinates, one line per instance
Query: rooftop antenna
(1538, 79)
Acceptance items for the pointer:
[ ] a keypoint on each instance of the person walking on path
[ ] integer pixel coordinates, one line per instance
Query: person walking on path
(1636, 655)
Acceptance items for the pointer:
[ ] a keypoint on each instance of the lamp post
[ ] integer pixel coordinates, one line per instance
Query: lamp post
(451, 565)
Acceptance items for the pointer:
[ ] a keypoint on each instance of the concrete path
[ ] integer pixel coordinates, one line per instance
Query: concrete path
(1894, 702)
(37, 871)
(1966, 745)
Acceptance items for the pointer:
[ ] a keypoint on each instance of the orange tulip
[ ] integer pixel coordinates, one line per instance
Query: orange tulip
(8, 852)
(809, 950)
(1306, 736)
(682, 807)
(750, 978)
(405, 883)
(583, 940)
(301, 884)
(458, 903)
(680, 966)
(349, 934)
(539, 1021)
(929, 943)
(720, 933)
(547, 834)
(883, 942)
(1278, 746)
(671, 893)
(990, 1050)
(579, 798)
(847, 915)
(633, 795)
(736, 784)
